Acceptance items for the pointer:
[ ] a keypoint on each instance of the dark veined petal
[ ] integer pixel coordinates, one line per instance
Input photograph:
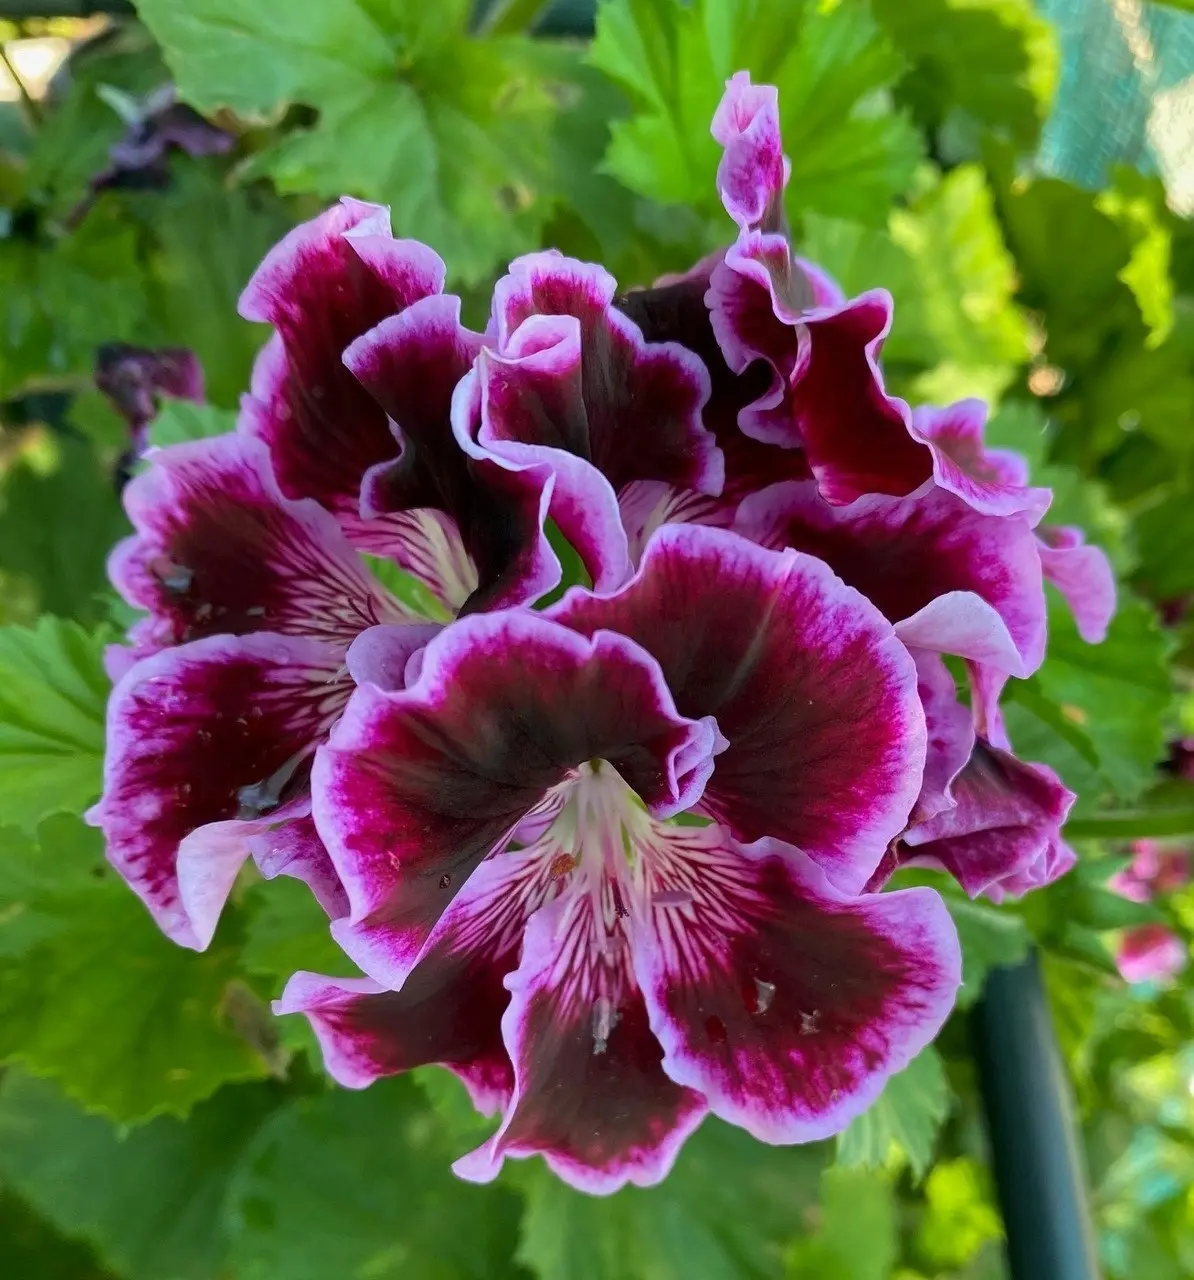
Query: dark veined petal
(327, 282)
(219, 551)
(808, 683)
(1084, 577)
(590, 1095)
(205, 742)
(413, 364)
(448, 1010)
(953, 580)
(417, 786)
(786, 1003)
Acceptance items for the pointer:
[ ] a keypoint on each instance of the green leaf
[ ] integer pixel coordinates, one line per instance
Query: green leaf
(861, 258)
(850, 158)
(1116, 695)
(138, 1026)
(960, 1217)
(829, 62)
(149, 1202)
(448, 130)
(180, 420)
(904, 1119)
(358, 1185)
(723, 1213)
(52, 694)
(61, 299)
(203, 242)
(1137, 205)
(857, 1238)
(406, 587)
(1164, 535)
(33, 1248)
(287, 931)
(59, 517)
(989, 938)
(994, 60)
(967, 279)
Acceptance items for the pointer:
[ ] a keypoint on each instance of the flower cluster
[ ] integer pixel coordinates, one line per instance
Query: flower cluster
(613, 853)
(1151, 952)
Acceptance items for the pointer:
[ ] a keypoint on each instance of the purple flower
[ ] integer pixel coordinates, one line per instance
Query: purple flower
(134, 379)
(507, 823)
(615, 861)
(1150, 953)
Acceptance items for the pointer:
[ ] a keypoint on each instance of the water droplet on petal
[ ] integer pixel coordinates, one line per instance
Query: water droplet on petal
(715, 1029)
(764, 995)
(445, 882)
(809, 1022)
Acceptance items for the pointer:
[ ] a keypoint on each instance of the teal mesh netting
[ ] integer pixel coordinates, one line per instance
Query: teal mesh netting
(1126, 93)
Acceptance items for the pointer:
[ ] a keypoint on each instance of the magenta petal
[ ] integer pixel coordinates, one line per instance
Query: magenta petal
(991, 481)
(417, 786)
(951, 735)
(1084, 577)
(1150, 953)
(1006, 816)
(976, 578)
(449, 1008)
(328, 281)
(787, 1004)
(214, 731)
(590, 1095)
(753, 171)
(219, 551)
(811, 687)
(413, 364)
(638, 412)
(382, 655)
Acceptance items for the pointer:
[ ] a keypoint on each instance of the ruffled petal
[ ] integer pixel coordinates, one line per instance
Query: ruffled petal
(950, 735)
(413, 364)
(200, 737)
(753, 170)
(527, 414)
(1084, 577)
(992, 481)
(590, 1095)
(327, 282)
(677, 313)
(448, 1010)
(382, 655)
(787, 1004)
(808, 683)
(826, 393)
(417, 786)
(219, 551)
(1006, 818)
(633, 409)
(953, 579)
